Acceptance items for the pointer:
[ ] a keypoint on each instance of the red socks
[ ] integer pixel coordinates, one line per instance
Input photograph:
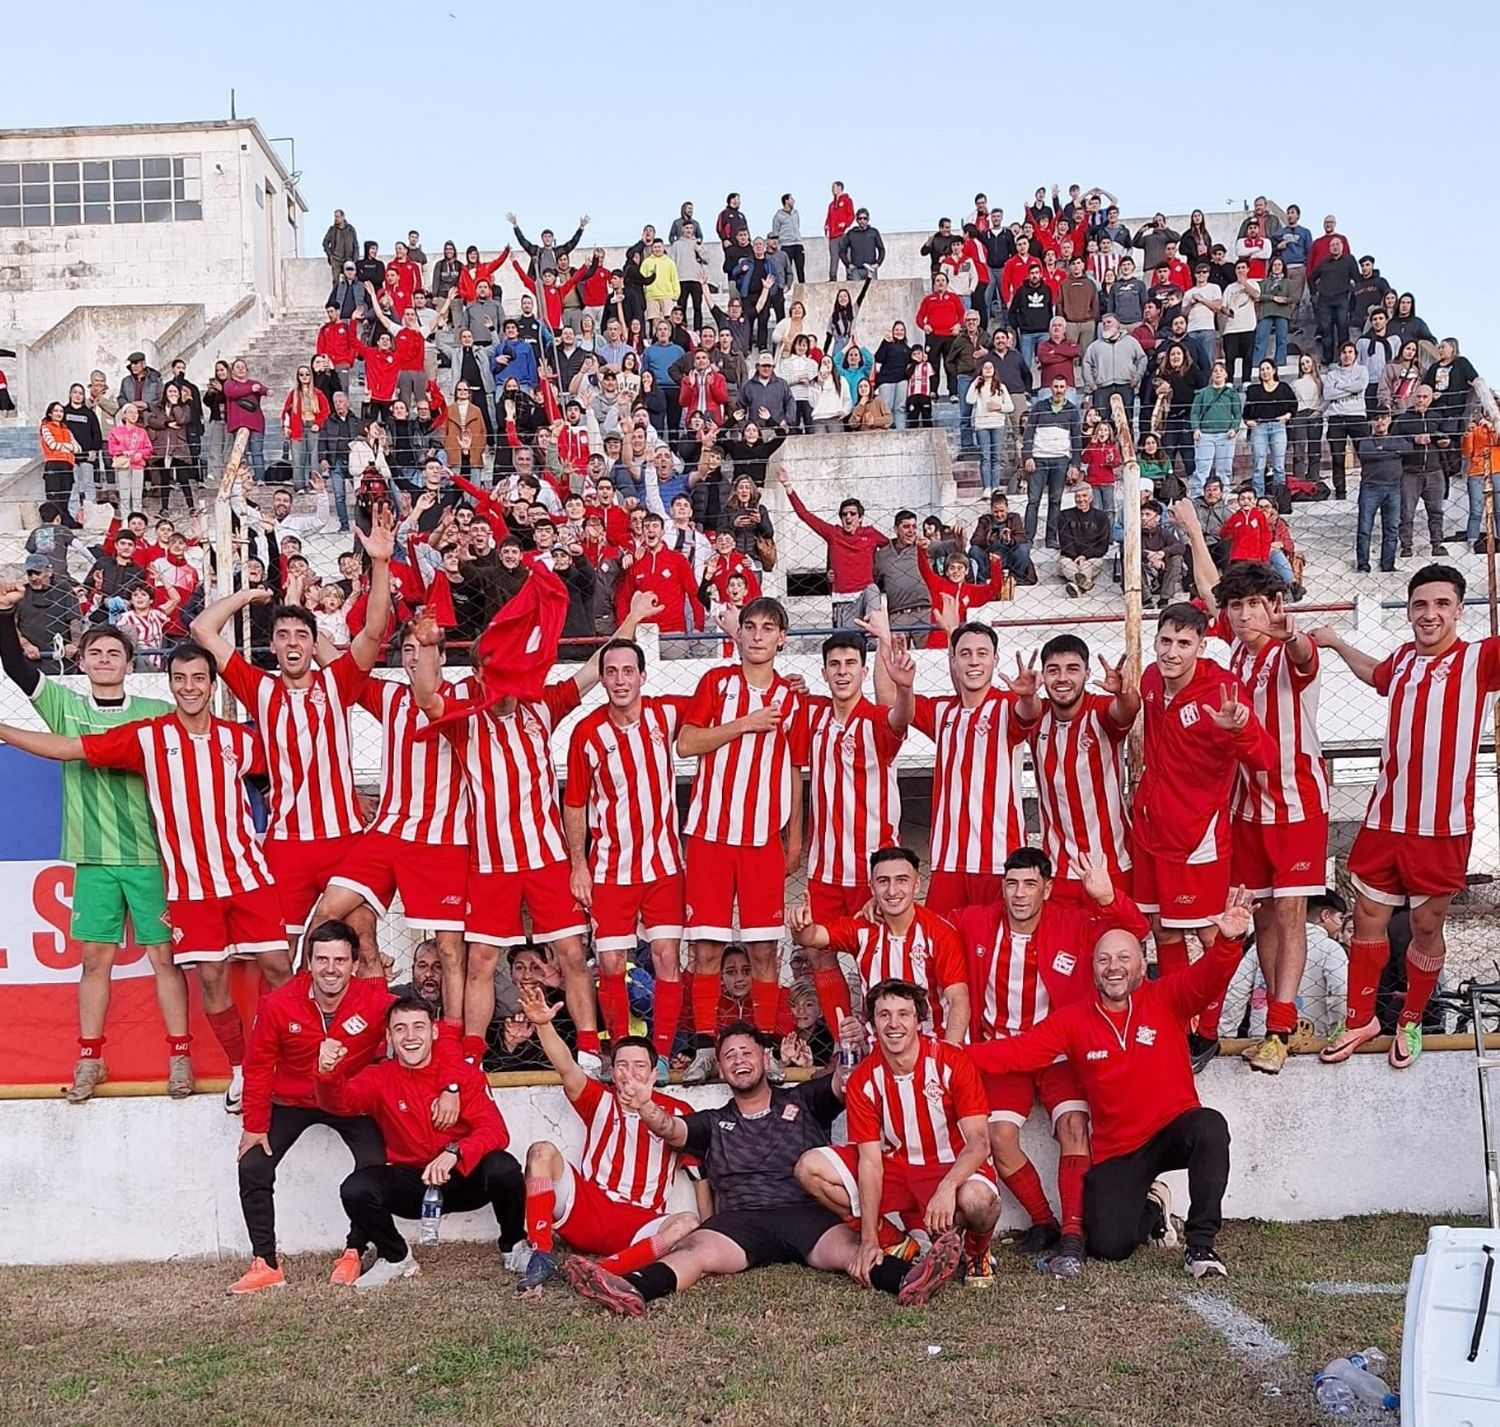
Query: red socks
(1367, 960)
(1026, 1184)
(833, 996)
(588, 1042)
(541, 1204)
(1171, 957)
(473, 1048)
(230, 1033)
(614, 1005)
(1281, 1018)
(1421, 981)
(666, 1011)
(977, 1246)
(90, 1047)
(763, 998)
(705, 1001)
(1071, 1169)
(638, 1255)
(178, 1045)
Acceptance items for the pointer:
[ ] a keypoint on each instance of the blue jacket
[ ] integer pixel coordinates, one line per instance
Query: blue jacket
(521, 366)
(1298, 245)
(658, 358)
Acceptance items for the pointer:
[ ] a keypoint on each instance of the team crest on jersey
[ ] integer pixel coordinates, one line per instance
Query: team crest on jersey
(1439, 671)
(657, 736)
(355, 1024)
(1189, 715)
(1063, 963)
(848, 746)
(317, 698)
(982, 724)
(1146, 1035)
(1263, 679)
(176, 934)
(401, 1106)
(295, 1027)
(790, 1112)
(933, 1090)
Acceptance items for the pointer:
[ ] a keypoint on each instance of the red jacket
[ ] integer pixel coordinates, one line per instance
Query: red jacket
(940, 313)
(400, 1102)
(851, 558)
(381, 371)
(668, 576)
(840, 217)
(408, 274)
(469, 278)
(595, 286)
(734, 563)
(1134, 1070)
(968, 595)
(1013, 274)
(281, 1056)
(336, 342)
(291, 413)
(1249, 535)
(551, 295)
(411, 350)
(400, 293)
(715, 394)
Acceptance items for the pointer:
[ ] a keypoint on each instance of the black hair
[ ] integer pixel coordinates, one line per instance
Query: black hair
(738, 1028)
(904, 515)
(1031, 859)
(630, 644)
(332, 930)
(1436, 574)
(902, 990)
(768, 608)
(973, 626)
(846, 640)
(296, 614)
(97, 632)
(733, 949)
(49, 511)
(186, 653)
(894, 854)
(1061, 644)
(1327, 901)
(1247, 580)
(1183, 615)
(629, 1042)
(412, 1002)
(850, 500)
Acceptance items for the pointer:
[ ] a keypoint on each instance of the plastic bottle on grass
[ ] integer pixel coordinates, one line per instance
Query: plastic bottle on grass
(1335, 1397)
(1372, 1360)
(1364, 1385)
(432, 1216)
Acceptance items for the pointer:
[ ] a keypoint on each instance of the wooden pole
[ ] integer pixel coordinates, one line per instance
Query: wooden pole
(224, 543)
(1130, 557)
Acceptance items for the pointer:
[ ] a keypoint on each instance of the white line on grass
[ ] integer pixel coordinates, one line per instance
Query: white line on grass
(1355, 1289)
(1247, 1337)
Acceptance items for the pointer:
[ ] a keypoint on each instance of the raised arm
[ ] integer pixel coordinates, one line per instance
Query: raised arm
(644, 607)
(1205, 573)
(427, 675)
(378, 313)
(207, 629)
(378, 545)
(1361, 665)
(536, 1010)
(56, 746)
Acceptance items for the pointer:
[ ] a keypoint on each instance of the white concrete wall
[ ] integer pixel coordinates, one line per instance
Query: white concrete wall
(152, 1179)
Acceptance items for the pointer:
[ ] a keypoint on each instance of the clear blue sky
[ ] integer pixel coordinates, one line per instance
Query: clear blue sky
(1368, 112)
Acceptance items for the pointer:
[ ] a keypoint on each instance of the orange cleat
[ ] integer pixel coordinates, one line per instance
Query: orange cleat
(259, 1275)
(346, 1268)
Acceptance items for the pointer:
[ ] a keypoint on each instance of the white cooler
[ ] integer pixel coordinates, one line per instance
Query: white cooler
(1440, 1387)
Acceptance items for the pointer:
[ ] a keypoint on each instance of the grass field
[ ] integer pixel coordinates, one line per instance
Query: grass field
(159, 1345)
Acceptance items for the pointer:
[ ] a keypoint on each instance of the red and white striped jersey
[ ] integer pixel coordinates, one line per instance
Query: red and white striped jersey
(1015, 996)
(976, 780)
(620, 1155)
(625, 777)
(1285, 699)
(929, 955)
(197, 800)
(915, 1117)
(309, 754)
(422, 793)
(1439, 710)
(1078, 787)
(855, 803)
(742, 791)
(514, 822)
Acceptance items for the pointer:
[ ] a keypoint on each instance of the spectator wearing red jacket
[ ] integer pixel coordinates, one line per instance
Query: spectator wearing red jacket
(1248, 531)
(703, 389)
(839, 219)
(336, 341)
(665, 574)
(475, 272)
(409, 347)
(941, 316)
(954, 583)
(851, 546)
(1013, 273)
(465, 1157)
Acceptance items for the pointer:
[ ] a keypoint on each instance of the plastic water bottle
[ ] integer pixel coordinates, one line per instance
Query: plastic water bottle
(432, 1216)
(849, 1055)
(1372, 1360)
(1364, 1385)
(1336, 1398)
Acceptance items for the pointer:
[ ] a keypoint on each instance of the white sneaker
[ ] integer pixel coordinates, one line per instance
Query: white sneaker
(518, 1257)
(705, 1067)
(383, 1271)
(234, 1097)
(1161, 1196)
(590, 1063)
(775, 1071)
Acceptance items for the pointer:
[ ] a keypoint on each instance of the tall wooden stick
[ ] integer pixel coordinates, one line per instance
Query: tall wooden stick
(1130, 556)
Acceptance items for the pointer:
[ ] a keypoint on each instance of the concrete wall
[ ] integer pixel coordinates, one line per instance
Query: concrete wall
(132, 1179)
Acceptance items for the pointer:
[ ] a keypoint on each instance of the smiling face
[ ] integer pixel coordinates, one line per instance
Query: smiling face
(192, 684)
(622, 676)
(742, 1061)
(411, 1035)
(897, 1025)
(1433, 610)
(1065, 676)
(893, 885)
(292, 645)
(844, 673)
(1177, 651)
(972, 661)
(332, 967)
(1119, 966)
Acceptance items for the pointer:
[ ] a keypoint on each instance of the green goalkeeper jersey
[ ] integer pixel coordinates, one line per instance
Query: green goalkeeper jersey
(105, 818)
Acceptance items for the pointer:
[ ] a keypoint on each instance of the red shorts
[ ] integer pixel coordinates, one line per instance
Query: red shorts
(830, 901)
(301, 871)
(948, 891)
(1012, 1095)
(906, 1188)
(432, 878)
(722, 875)
(592, 1222)
(495, 898)
(1280, 859)
(655, 908)
(1182, 894)
(1393, 867)
(247, 924)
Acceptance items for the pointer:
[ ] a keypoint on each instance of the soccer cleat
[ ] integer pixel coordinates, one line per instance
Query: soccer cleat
(978, 1271)
(1203, 1263)
(908, 1250)
(775, 1070)
(663, 1070)
(383, 1271)
(705, 1067)
(591, 1063)
(1406, 1046)
(1346, 1040)
(932, 1270)
(346, 1269)
(542, 1267)
(258, 1276)
(1164, 1234)
(1038, 1239)
(608, 1290)
(234, 1096)
(88, 1076)
(1269, 1056)
(1067, 1262)
(180, 1083)
(517, 1257)
(1201, 1050)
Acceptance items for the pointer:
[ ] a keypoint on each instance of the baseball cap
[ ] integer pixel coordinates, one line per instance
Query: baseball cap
(764, 359)
(37, 561)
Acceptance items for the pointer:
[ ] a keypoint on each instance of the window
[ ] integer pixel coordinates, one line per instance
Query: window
(55, 193)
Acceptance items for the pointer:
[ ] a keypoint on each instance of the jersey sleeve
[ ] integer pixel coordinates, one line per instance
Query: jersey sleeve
(948, 958)
(924, 716)
(673, 708)
(969, 1098)
(702, 710)
(53, 703)
(561, 699)
(887, 741)
(864, 1120)
(348, 678)
(699, 1134)
(588, 1098)
(1489, 664)
(376, 696)
(1383, 673)
(115, 748)
(1301, 678)
(580, 774)
(795, 728)
(843, 935)
(1019, 730)
(242, 678)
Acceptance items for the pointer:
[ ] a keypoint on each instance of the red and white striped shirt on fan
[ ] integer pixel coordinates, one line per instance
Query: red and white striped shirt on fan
(514, 823)
(620, 1155)
(1078, 792)
(422, 793)
(197, 799)
(1285, 700)
(309, 754)
(976, 780)
(625, 777)
(915, 1117)
(929, 955)
(1439, 710)
(855, 802)
(742, 790)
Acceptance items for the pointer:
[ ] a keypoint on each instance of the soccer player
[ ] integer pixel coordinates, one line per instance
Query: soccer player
(1199, 730)
(518, 855)
(1414, 842)
(980, 732)
(303, 715)
(325, 1001)
(747, 728)
(465, 1157)
(107, 836)
(620, 821)
(613, 1202)
(917, 1148)
(1075, 752)
(1126, 1045)
(1279, 829)
(750, 1148)
(854, 803)
(221, 900)
(1027, 955)
(417, 842)
(899, 941)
